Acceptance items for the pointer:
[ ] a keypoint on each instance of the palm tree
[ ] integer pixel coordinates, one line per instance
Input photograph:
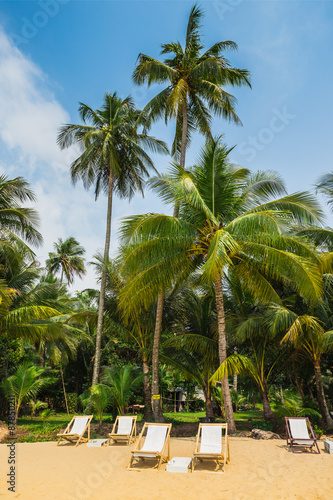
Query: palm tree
(122, 382)
(308, 334)
(17, 222)
(292, 405)
(194, 84)
(247, 324)
(114, 161)
(261, 365)
(192, 348)
(195, 81)
(24, 384)
(98, 398)
(228, 219)
(67, 258)
(133, 325)
(325, 186)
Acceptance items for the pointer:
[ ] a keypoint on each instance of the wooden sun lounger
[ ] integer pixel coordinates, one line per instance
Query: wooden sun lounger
(211, 444)
(156, 444)
(124, 430)
(76, 429)
(297, 431)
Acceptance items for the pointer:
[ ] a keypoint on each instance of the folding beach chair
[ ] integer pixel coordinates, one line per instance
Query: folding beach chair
(212, 444)
(123, 430)
(76, 429)
(297, 430)
(156, 444)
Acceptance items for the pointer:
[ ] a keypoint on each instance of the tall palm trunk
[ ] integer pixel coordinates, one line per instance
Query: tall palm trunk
(63, 386)
(326, 418)
(97, 360)
(184, 133)
(158, 415)
(222, 343)
(146, 389)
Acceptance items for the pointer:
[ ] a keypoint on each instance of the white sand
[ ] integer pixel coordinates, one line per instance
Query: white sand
(258, 470)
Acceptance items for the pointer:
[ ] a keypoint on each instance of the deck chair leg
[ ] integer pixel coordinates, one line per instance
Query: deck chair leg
(78, 442)
(228, 452)
(130, 464)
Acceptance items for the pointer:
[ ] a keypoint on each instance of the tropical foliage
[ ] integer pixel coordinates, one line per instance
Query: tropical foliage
(229, 300)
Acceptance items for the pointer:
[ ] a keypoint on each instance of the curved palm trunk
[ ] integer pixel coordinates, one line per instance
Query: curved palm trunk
(158, 415)
(146, 390)
(326, 418)
(229, 413)
(97, 359)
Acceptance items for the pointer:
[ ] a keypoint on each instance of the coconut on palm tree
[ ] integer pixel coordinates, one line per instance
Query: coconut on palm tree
(114, 160)
(196, 81)
(228, 218)
(67, 259)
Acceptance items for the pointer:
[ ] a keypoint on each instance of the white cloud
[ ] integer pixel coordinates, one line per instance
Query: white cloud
(30, 117)
(29, 113)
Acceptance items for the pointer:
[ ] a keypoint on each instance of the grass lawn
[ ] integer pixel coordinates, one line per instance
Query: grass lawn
(33, 429)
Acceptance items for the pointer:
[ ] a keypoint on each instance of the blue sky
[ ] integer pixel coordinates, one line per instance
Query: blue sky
(55, 53)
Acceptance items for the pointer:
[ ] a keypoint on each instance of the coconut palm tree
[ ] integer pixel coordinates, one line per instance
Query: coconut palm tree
(114, 160)
(122, 382)
(133, 325)
(325, 186)
(24, 384)
(227, 219)
(192, 348)
(308, 334)
(195, 81)
(67, 258)
(248, 325)
(16, 222)
(98, 399)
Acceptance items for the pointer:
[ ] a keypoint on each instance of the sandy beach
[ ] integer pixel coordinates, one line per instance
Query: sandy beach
(258, 470)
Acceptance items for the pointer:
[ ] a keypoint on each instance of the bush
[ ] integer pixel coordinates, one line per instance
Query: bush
(262, 424)
(197, 405)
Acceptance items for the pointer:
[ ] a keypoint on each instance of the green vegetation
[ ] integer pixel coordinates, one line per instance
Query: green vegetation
(226, 306)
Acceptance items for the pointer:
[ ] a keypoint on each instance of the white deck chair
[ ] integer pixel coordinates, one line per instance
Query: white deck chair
(156, 444)
(76, 429)
(298, 434)
(211, 444)
(123, 430)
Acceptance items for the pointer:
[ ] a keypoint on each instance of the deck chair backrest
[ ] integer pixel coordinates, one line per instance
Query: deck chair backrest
(211, 439)
(79, 425)
(298, 428)
(155, 438)
(125, 425)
